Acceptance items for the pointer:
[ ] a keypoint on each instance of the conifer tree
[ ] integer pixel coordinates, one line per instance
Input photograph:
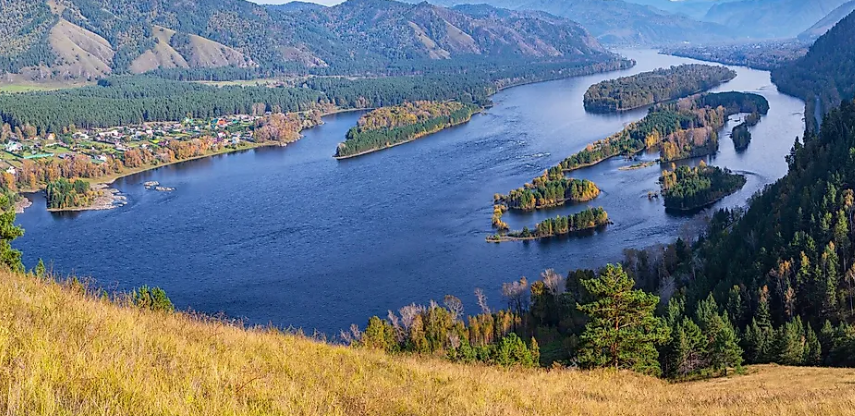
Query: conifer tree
(813, 349)
(622, 332)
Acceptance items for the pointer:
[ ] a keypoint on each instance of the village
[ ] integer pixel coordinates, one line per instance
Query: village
(99, 145)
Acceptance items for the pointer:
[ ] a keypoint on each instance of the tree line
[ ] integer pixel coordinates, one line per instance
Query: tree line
(687, 188)
(549, 190)
(653, 87)
(387, 127)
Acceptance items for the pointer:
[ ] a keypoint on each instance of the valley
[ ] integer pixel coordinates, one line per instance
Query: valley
(388, 197)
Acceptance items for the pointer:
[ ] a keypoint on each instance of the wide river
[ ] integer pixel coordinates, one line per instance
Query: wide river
(292, 237)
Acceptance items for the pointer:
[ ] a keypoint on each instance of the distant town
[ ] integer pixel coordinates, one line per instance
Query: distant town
(100, 145)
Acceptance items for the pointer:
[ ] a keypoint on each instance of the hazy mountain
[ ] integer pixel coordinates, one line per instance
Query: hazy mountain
(295, 6)
(771, 18)
(617, 22)
(824, 25)
(92, 38)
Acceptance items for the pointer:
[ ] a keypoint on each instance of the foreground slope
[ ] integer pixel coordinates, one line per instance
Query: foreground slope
(62, 352)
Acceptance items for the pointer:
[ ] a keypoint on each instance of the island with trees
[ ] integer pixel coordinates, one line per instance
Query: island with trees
(684, 129)
(740, 135)
(551, 189)
(686, 188)
(392, 126)
(661, 85)
(589, 219)
(63, 194)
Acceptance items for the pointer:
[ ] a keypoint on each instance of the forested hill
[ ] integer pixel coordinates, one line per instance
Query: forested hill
(788, 260)
(826, 73)
(85, 39)
(616, 22)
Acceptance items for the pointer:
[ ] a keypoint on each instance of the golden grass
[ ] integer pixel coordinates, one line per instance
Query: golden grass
(63, 353)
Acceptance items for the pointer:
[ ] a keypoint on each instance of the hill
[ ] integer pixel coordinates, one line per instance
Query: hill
(617, 22)
(824, 25)
(771, 18)
(826, 75)
(88, 39)
(65, 351)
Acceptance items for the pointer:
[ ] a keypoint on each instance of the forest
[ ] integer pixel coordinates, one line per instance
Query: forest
(654, 87)
(686, 188)
(825, 75)
(549, 190)
(390, 126)
(64, 194)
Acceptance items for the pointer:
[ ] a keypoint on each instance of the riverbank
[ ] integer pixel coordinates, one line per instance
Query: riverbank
(108, 198)
(414, 138)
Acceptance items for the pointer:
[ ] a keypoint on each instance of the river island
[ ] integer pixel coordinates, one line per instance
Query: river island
(395, 125)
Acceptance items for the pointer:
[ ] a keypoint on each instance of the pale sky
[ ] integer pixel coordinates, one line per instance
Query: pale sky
(326, 2)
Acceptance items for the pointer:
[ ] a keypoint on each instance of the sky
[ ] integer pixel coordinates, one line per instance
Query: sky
(326, 2)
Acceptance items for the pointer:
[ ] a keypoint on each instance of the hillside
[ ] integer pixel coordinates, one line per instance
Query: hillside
(826, 75)
(63, 352)
(616, 22)
(824, 25)
(86, 39)
(771, 18)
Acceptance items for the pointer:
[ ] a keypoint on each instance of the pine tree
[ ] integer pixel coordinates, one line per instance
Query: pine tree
(622, 331)
(790, 343)
(813, 349)
(724, 351)
(40, 270)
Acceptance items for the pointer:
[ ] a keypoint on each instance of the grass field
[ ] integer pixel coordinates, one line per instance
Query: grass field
(33, 87)
(63, 352)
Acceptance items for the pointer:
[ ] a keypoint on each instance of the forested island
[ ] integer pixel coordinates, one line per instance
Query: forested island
(686, 188)
(551, 189)
(740, 135)
(687, 128)
(588, 219)
(654, 87)
(63, 194)
(391, 126)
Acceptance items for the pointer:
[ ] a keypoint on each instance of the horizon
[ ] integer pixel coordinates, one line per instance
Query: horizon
(323, 2)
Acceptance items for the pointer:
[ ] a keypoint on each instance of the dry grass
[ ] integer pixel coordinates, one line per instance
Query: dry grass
(62, 353)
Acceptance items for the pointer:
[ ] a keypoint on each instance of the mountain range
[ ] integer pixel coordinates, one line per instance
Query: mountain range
(771, 18)
(85, 39)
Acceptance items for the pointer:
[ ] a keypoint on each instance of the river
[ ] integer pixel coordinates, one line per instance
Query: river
(291, 237)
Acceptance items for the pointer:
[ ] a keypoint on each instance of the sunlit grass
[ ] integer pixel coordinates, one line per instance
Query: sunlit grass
(66, 353)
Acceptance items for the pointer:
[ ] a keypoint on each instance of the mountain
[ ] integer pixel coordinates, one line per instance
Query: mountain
(824, 25)
(617, 22)
(92, 38)
(296, 6)
(66, 349)
(826, 75)
(696, 9)
(771, 18)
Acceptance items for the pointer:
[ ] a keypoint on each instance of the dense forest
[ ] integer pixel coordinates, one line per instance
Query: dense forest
(64, 194)
(653, 87)
(549, 190)
(128, 100)
(390, 126)
(772, 283)
(826, 75)
(686, 188)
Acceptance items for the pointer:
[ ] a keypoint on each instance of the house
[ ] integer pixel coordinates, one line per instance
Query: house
(14, 147)
(11, 170)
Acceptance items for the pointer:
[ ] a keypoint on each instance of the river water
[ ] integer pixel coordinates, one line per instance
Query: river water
(292, 237)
